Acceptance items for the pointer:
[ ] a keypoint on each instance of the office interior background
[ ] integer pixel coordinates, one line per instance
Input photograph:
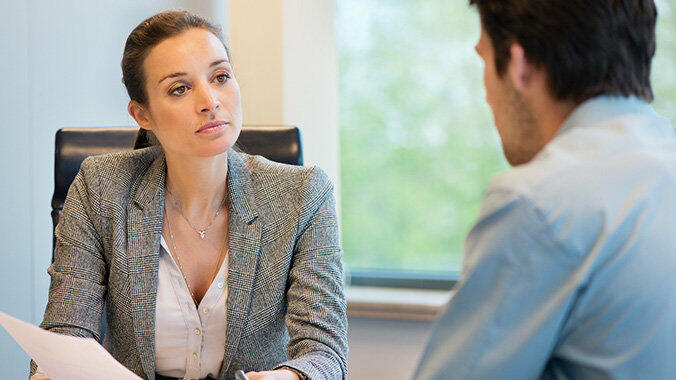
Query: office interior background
(389, 98)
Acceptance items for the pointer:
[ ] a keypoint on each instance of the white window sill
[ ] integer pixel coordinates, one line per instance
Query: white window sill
(395, 303)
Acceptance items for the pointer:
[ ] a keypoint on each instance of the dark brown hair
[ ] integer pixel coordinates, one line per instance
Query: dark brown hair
(587, 47)
(149, 34)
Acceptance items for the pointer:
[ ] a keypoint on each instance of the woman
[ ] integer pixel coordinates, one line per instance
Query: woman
(208, 260)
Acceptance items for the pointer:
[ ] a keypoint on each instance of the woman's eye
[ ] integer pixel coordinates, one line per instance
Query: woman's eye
(222, 78)
(179, 90)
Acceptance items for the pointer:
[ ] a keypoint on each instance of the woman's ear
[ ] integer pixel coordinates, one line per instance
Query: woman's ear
(140, 114)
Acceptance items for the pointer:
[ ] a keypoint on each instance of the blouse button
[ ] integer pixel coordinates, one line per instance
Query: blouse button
(194, 355)
(220, 285)
(197, 331)
(206, 310)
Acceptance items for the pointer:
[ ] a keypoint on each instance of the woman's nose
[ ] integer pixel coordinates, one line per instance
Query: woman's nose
(207, 99)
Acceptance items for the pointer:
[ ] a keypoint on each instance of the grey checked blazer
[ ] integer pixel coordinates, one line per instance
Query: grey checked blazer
(285, 303)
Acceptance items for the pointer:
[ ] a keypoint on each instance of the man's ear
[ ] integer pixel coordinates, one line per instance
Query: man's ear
(140, 114)
(520, 70)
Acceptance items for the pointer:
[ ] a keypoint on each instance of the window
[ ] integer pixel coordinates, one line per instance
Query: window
(417, 141)
(664, 66)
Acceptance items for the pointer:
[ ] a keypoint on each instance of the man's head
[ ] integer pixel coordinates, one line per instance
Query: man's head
(544, 57)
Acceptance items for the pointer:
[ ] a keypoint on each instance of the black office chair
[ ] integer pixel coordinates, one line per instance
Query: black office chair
(73, 145)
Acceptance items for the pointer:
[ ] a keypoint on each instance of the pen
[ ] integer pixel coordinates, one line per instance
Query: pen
(239, 375)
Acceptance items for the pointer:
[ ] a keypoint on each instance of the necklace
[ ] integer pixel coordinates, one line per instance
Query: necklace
(201, 232)
(178, 259)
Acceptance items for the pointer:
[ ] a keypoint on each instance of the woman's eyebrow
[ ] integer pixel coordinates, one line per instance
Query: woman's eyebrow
(218, 62)
(179, 74)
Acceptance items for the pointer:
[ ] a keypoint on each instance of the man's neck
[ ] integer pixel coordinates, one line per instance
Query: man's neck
(550, 114)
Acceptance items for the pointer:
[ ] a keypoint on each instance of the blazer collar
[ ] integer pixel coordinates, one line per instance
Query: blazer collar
(151, 184)
(241, 188)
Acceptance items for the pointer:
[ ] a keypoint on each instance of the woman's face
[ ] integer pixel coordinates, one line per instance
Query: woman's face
(193, 98)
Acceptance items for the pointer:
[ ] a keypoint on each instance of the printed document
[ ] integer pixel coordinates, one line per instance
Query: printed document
(63, 357)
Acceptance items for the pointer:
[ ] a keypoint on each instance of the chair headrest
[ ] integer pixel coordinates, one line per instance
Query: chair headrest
(73, 145)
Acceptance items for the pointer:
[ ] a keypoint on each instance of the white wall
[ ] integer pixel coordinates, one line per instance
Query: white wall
(311, 80)
(16, 279)
(385, 349)
(255, 37)
(285, 62)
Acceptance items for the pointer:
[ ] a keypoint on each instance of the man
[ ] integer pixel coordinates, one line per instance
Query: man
(570, 271)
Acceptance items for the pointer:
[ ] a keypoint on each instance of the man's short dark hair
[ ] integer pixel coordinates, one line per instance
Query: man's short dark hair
(587, 47)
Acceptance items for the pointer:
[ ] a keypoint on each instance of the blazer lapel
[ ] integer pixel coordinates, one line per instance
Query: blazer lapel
(245, 232)
(144, 229)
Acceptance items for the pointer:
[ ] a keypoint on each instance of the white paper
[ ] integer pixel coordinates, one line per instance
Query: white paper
(63, 357)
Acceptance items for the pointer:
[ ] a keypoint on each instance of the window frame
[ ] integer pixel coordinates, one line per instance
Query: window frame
(402, 279)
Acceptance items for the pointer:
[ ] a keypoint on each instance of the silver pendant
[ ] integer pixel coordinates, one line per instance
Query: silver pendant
(201, 233)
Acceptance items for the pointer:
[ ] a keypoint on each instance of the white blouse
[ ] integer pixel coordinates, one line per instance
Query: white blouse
(189, 342)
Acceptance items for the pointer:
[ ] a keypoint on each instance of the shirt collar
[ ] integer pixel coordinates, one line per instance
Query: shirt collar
(602, 108)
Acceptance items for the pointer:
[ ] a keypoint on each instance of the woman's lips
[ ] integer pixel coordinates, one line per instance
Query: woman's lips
(213, 127)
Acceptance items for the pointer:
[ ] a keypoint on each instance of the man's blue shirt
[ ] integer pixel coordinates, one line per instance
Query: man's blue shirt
(570, 270)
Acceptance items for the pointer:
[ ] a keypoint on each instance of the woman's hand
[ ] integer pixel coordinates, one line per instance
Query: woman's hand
(279, 374)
